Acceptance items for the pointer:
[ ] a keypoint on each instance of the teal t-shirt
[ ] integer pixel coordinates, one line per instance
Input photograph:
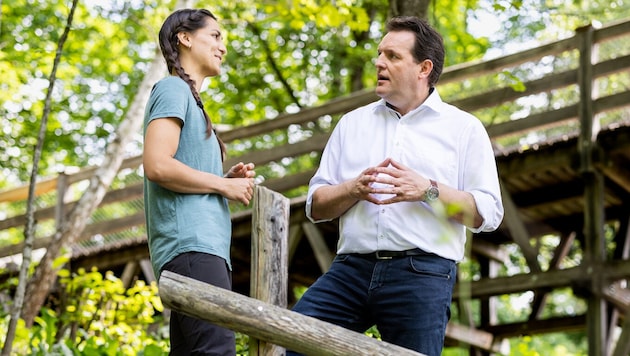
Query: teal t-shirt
(177, 222)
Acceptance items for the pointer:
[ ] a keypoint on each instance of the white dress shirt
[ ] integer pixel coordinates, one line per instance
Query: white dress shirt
(437, 140)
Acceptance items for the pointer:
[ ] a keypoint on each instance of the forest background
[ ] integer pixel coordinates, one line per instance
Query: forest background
(283, 56)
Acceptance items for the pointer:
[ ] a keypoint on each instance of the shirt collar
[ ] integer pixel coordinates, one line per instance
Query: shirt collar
(433, 102)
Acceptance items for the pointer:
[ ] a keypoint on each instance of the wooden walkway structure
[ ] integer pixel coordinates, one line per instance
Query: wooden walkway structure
(563, 156)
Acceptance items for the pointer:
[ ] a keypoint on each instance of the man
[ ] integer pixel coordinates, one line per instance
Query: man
(406, 175)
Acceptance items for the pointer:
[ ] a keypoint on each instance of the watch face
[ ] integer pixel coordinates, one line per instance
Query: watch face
(432, 194)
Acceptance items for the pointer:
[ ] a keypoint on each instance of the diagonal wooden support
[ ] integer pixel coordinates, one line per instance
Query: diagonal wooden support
(540, 297)
(478, 338)
(623, 343)
(619, 295)
(322, 253)
(519, 231)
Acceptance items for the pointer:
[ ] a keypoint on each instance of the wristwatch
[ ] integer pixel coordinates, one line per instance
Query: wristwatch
(432, 193)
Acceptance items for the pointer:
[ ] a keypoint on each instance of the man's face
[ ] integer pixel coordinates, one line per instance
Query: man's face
(397, 70)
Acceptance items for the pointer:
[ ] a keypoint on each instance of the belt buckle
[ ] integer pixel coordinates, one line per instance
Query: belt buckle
(379, 257)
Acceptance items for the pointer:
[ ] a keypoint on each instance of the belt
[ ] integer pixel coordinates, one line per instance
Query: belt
(388, 255)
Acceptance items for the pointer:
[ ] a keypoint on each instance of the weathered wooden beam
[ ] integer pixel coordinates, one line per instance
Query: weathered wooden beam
(477, 338)
(45, 186)
(536, 327)
(295, 236)
(561, 251)
(623, 342)
(267, 322)
(519, 231)
(269, 273)
(613, 270)
(619, 295)
(289, 182)
(335, 106)
(103, 227)
(260, 157)
(492, 251)
(315, 238)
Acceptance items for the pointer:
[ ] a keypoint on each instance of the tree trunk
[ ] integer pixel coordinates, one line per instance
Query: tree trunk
(418, 8)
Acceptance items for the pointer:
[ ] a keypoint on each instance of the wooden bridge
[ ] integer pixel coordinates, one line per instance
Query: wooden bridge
(561, 134)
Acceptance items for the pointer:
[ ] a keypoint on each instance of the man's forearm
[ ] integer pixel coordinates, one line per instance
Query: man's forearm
(330, 202)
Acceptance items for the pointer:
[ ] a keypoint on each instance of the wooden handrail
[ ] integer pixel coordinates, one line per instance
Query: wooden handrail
(267, 322)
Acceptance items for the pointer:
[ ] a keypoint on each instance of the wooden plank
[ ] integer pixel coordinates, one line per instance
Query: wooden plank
(506, 94)
(470, 70)
(519, 231)
(492, 251)
(335, 106)
(477, 338)
(521, 283)
(618, 295)
(315, 238)
(21, 193)
(288, 182)
(315, 143)
(268, 322)
(269, 272)
(623, 341)
(295, 236)
(125, 194)
(45, 186)
(537, 327)
(103, 227)
(533, 121)
(561, 251)
(611, 31)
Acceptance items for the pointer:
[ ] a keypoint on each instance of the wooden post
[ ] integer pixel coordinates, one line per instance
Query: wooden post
(269, 265)
(268, 322)
(594, 249)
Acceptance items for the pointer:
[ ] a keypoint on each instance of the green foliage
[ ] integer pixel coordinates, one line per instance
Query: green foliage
(96, 315)
(102, 64)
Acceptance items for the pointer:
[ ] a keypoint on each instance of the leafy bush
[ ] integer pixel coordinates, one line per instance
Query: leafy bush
(96, 315)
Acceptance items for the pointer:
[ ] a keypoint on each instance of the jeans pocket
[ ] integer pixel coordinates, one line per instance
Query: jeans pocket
(341, 258)
(432, 266)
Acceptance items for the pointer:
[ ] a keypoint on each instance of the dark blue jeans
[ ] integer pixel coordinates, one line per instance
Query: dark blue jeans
(191, 336)
(407, 298)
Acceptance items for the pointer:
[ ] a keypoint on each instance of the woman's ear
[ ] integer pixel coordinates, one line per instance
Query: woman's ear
(183, 38)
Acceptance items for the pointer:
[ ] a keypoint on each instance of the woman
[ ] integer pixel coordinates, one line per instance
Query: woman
(188, 219)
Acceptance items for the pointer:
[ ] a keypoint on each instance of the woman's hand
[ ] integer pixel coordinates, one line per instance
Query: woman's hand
(241, 170)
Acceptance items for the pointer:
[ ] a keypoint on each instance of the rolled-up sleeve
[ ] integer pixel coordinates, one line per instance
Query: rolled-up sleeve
(482, 180)
(328, 171)
(491, 210)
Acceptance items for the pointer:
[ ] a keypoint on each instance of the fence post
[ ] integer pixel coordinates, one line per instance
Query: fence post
(269, 257)
(593, 229)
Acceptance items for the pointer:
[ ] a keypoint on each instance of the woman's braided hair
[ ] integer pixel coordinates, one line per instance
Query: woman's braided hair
(188, 20)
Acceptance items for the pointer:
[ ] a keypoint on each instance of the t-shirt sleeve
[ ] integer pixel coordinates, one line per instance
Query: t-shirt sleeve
(169, 98)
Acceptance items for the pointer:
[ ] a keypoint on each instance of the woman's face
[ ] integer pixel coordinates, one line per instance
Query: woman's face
(207, 49)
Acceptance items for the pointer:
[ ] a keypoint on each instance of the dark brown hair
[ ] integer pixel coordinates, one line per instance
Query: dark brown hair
(428, 45)
(189, 20)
